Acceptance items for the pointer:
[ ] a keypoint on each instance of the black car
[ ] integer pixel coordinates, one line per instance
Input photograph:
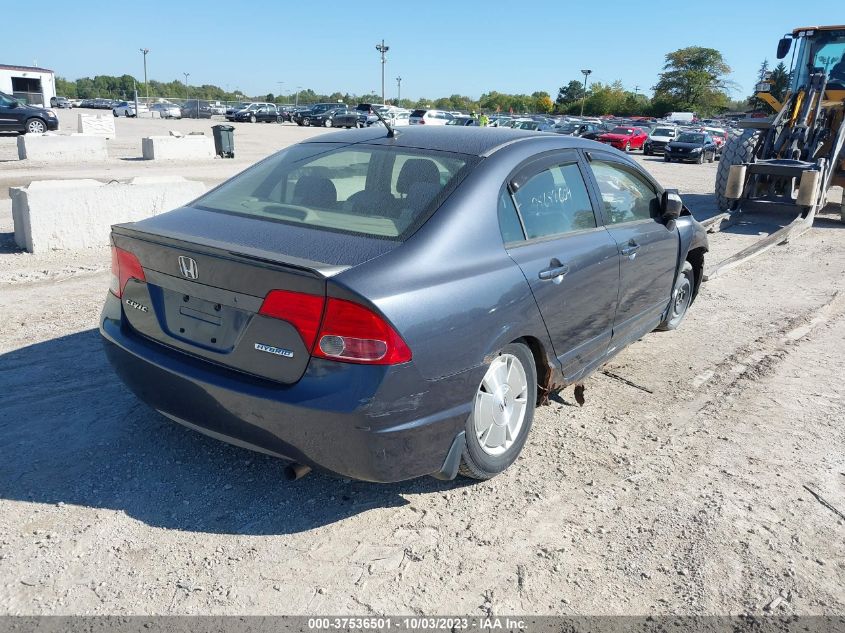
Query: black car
(304, 117)
(235, 107)
(390, 307)
(694, 147)
(257, 113)
(597, 131)
(286, 111)
(16, 116)
(196, 109)
(329, 117)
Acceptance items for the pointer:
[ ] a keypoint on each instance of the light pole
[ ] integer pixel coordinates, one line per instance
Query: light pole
(381, 48)
(399, 91)
(296, 103)
(586, 73)
(146, 85)
(281, 83)
(186, 84)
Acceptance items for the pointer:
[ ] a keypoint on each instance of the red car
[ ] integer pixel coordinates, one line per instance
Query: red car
(624, 138)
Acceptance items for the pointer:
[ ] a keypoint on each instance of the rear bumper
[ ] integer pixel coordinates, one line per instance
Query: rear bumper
(380, 424)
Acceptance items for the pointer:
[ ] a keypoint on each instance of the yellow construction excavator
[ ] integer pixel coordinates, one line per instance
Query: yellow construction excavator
(790, 161)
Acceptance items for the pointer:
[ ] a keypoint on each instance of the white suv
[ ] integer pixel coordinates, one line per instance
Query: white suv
(429, 117)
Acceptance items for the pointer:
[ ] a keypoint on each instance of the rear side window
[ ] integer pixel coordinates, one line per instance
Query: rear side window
(418, 113)
(369, 190)
(509, 219)
(555, 201)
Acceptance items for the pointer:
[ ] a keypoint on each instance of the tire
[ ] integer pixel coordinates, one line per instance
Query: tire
(252, 118)
(306, 122)
(712, 157)
(681, 298)
(511, 371)
(700, 159)
(114, 112)
(737, 150)
(842, 209)
(627, 148)
(666, 158)
(35, 126)
(646, 152)
(327, 123)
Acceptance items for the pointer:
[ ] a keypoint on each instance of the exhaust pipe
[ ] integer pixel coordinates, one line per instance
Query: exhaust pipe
(296, 471)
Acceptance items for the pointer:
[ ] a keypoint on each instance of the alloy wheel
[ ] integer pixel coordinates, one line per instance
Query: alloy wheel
(36, 126)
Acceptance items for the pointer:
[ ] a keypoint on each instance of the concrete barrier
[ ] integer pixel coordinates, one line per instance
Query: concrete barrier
(96, 125)
(53, 148)
(190, 147)
(67, 214)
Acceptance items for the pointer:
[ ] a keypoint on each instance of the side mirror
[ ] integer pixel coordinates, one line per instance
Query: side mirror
(783, 47)
(671, 205)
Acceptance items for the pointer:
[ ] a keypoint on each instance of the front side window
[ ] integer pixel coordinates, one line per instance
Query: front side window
(627, 196)
(555, 201)
(369, 190)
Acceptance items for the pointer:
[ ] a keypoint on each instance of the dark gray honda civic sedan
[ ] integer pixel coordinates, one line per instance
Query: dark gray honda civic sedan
(385, 307)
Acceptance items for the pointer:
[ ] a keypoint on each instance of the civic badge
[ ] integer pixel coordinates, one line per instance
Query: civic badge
(188, 267)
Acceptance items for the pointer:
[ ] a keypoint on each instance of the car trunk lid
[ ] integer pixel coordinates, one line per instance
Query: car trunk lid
(204, 297)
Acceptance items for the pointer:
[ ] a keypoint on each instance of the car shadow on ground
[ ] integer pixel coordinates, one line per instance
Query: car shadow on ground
(73, 434)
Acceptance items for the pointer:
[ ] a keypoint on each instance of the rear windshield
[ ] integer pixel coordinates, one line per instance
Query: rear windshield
(418, 113)
(368, 190)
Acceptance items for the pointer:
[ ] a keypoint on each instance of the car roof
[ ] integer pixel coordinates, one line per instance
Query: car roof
(476, 141)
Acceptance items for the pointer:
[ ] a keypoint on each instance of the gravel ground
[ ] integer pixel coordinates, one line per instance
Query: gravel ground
(687, 483)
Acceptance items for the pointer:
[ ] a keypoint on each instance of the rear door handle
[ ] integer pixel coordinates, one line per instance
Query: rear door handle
(553, 272)
(630, 249)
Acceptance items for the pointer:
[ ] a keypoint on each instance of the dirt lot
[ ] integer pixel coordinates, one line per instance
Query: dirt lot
(683, 485)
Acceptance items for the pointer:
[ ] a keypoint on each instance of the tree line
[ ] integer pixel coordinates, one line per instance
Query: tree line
(693, 79)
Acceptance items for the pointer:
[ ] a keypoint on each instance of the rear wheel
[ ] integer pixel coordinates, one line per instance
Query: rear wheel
(35, 126)
(681, 298)
(738, 150)
(502, 413)
(252, 118)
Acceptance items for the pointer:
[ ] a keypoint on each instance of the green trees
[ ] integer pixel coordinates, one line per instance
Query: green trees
(694, 79)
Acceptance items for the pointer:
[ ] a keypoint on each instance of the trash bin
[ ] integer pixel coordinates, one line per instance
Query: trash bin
(224, 140)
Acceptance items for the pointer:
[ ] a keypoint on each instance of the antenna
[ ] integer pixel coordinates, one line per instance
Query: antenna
(391, 132)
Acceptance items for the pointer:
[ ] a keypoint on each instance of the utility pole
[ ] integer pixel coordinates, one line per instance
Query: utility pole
(586, 73)
(399, 91)
(281, 83)
(146, 85)
(381, 48)
(636, 91)
(186, 85)
(296, 103)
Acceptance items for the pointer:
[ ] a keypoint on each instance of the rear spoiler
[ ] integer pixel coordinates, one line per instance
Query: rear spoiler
(175, 239)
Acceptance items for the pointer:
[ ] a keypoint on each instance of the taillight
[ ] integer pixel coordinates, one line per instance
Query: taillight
(352, 333)
(302, 311)
(124, 266)
(421, 122)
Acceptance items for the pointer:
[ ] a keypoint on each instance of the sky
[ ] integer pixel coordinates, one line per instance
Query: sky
(438, 48)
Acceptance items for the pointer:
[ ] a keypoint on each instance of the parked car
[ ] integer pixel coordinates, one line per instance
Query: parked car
(257, 113)
(387, 310)
(577, 129)
(218, 109)
(327, 118)
(532, 124)
(196, 109)
(286, 110)
(463, 120)
(429, 117)
(303, 117)
(601, 128)
(719, 136)
(362, 116)
(59, 102)
(691, 147)
(16, 116)
(658, 138)
(235, 107)
(127, 109)
(624, 138)
(76, 103)
(167, 110)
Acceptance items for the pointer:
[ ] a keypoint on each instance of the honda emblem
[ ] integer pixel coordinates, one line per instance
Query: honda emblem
(188, 267)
